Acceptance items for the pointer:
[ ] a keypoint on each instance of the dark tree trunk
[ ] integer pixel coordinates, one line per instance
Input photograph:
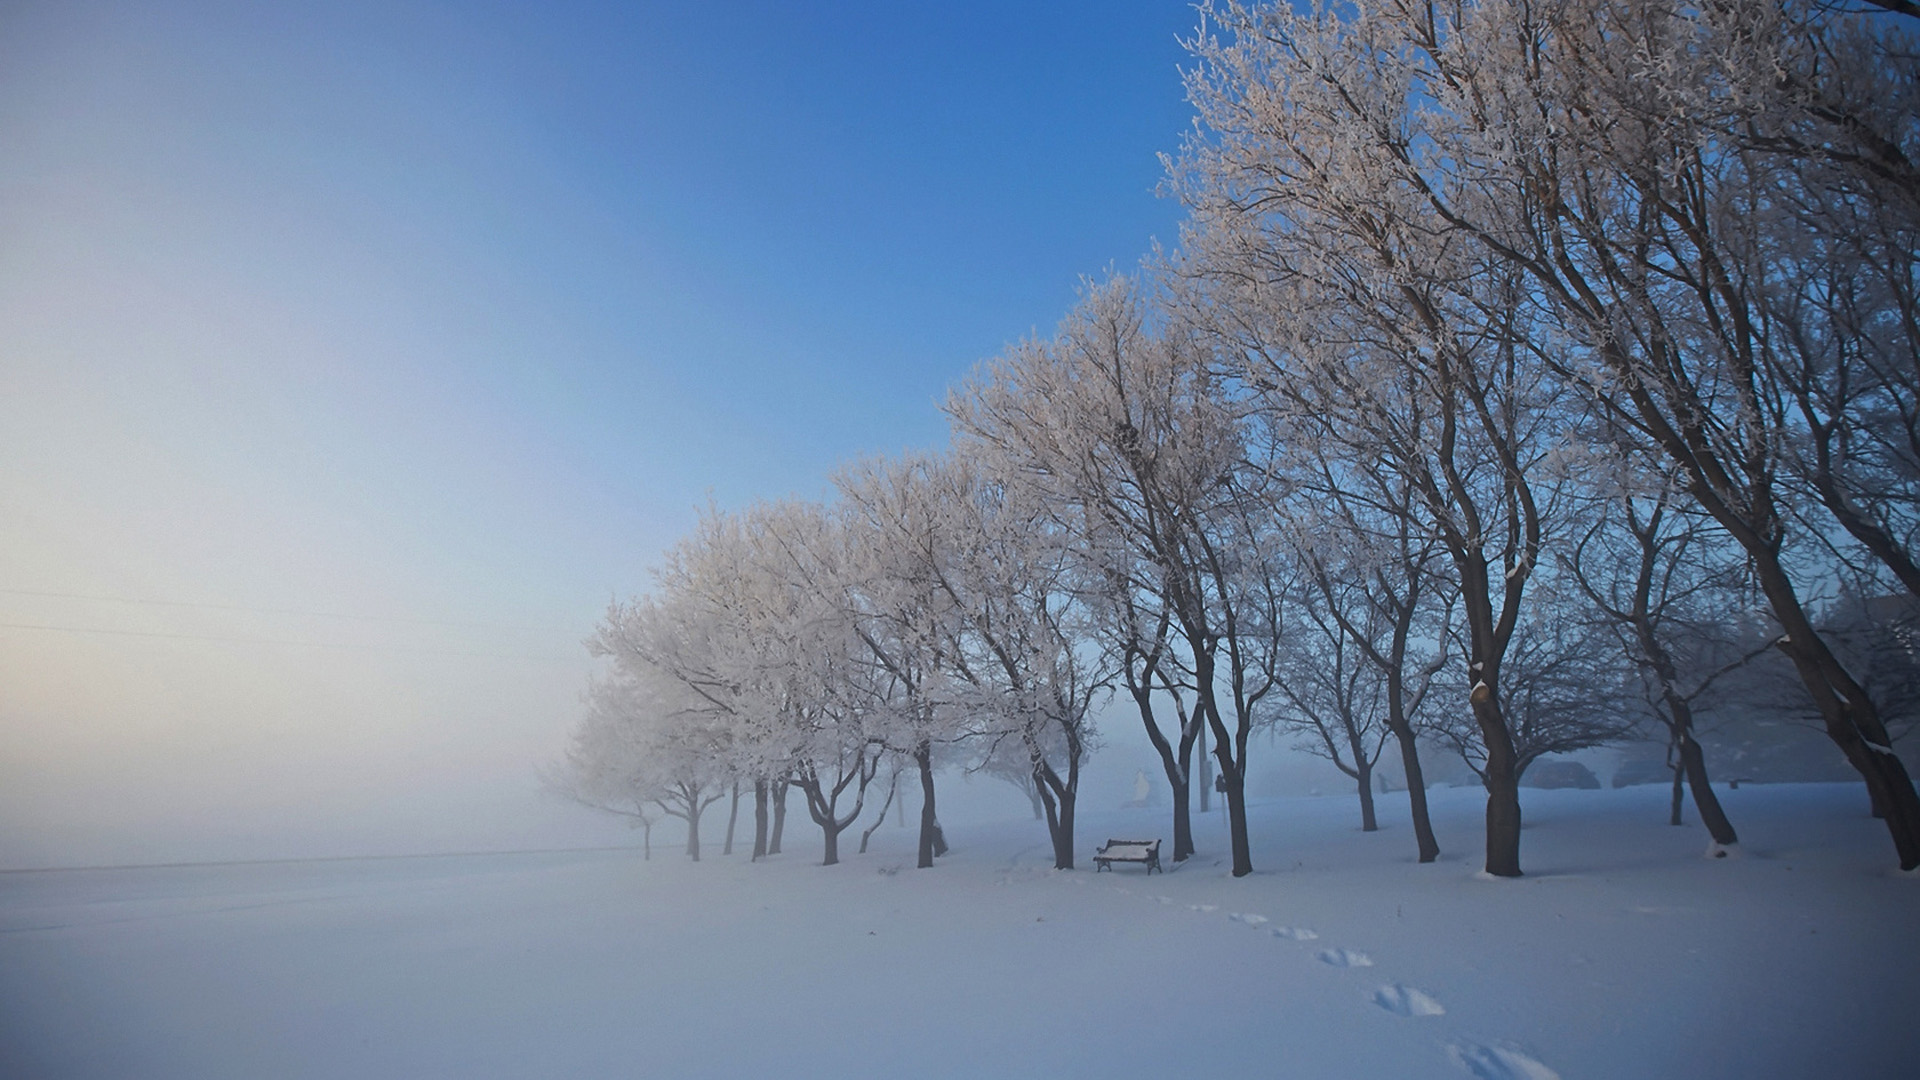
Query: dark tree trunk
(867, 835)
(1395, 664)
(1689, 763)
(1181, 787)
(1059, 827)
(823, 801)
(1206, 773)
(1229, 754)
(1851, 720)
(733, 816)
(1503, 800)
(1182, 818)
(1173, 760)
(1416, 792)
(694, 807)
(759, 820)
(1063, 835)
(932, 843)
(1364, 771)
(832, 845)
(1712, 815)
(1236, 795)
(1740, 500)
(1488, 633)
(1059, 800)
(646, 828)
(1231, 767)
(1678, 795)
(820, 808)
(779, 816)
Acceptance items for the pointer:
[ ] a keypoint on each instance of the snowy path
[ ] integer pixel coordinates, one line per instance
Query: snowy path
(1624, 953)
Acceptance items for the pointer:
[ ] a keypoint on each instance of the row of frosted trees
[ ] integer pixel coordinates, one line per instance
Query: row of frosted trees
(1521, 369)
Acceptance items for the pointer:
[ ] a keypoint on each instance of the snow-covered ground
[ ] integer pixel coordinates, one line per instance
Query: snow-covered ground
(1623, 953)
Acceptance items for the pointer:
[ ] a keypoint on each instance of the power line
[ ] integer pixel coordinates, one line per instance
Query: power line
(263, 610)
(234, 640)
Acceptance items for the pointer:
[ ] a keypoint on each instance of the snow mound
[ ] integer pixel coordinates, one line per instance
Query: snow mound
(1498, 1062)
(1249, 919)
(1403, 1000)
(1345, 958)
(1295, 933)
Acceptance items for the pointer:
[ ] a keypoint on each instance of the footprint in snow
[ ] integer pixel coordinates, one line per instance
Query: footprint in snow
(1498, 1062)
(1203, 907)
(1402, 1000)
(1164, 899)
(1249, 919)
(1295, 933)
(1345, 958)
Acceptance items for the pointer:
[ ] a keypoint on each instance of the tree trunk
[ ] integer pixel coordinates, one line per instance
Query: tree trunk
(733, 816)
(1060, 829)
(1848, 712)
(779, 816)
(932, 843)
(1368, 823)
(1206, 771)
(1503, 803)
(1678, 794)
(1182, 818)
(647, 831)
(820, 809)
(1689, 762)
(880, 820)
(1063, 836)
(1416, 792)
(1712, 815)
(1173, 762)
(1851, 720)
(694, 808)
(759, 820)
(1231, 766)
(1059, 802)
(1237, 820)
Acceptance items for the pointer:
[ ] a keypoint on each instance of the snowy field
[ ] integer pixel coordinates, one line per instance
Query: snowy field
(1623, 953)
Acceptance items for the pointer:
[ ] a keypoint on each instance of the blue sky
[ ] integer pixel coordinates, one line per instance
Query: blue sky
(397, 337)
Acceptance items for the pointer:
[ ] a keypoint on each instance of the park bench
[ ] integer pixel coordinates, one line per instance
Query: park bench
(1140, 851)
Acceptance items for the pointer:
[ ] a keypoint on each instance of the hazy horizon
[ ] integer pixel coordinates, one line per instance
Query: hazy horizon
(359, 355)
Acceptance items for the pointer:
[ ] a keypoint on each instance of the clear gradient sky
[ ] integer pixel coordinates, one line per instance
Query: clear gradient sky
(353, 355)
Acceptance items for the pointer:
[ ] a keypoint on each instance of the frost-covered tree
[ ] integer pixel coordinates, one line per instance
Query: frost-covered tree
(1026, 665)
(1677, 206)
(1335, 696)
(691, 632)
(641, 742)
(604, 769)
(1376, 574)
(898, 534)
(1670, 593)
(1120, 421)
(821, 697)
(1368, 334)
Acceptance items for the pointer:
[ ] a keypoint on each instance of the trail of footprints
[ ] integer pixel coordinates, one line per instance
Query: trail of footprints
(1486, 1062)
